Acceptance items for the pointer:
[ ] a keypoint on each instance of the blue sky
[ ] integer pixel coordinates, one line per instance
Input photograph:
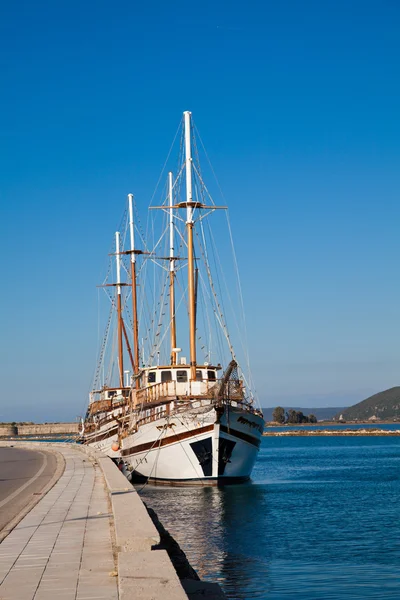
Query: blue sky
(298, 105)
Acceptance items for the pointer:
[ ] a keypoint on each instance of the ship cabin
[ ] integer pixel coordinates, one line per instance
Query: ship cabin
(174, 380)
(161, 382)
(180, 375)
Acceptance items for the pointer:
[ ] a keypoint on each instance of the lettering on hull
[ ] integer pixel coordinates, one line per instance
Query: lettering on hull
(251, 424)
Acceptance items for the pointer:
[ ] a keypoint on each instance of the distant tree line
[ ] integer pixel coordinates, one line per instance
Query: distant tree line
(279, 415)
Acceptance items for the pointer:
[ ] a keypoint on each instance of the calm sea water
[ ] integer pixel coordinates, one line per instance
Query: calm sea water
(321, 519)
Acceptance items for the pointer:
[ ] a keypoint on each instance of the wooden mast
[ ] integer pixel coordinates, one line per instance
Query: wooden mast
(134, 290)
(171, 273)
(189, 229)
(119, 312)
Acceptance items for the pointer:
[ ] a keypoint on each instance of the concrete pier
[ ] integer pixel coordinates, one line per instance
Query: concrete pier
(90, 537)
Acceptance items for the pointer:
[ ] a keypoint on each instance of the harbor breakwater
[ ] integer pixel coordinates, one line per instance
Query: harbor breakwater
(9, 430)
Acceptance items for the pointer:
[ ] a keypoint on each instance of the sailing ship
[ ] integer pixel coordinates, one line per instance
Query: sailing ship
(172, 420)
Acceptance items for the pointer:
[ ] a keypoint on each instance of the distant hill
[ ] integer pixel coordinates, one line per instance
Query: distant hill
(384, 405)
(322, 414)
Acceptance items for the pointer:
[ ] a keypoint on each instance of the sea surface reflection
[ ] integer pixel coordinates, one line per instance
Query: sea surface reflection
(319, 520)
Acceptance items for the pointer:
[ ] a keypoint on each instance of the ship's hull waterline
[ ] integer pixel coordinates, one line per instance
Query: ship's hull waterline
(195, 448)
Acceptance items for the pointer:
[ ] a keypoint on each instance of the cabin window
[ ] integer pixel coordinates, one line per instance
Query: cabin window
(166, 376)
(199, 376)
(211, 375)
(151, 377)
(111, 394)
(181, 376)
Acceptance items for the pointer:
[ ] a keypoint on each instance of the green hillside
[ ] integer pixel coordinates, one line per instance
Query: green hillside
(384, 405)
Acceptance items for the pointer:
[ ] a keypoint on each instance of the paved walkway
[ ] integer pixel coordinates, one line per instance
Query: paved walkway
(62, 549)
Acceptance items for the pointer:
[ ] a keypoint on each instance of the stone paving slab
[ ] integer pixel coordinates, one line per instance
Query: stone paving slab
(148, 575)
(62, 549)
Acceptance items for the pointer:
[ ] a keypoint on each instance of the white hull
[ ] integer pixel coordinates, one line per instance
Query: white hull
(104, 438)
(196, 443)
(196, 447)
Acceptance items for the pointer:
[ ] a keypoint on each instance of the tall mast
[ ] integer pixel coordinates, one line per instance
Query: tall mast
(171, 272)
(134, 289)
(119, 311)
(189, 229)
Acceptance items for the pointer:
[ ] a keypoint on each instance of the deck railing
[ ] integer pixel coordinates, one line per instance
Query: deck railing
(193, 389)
(184, 395)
